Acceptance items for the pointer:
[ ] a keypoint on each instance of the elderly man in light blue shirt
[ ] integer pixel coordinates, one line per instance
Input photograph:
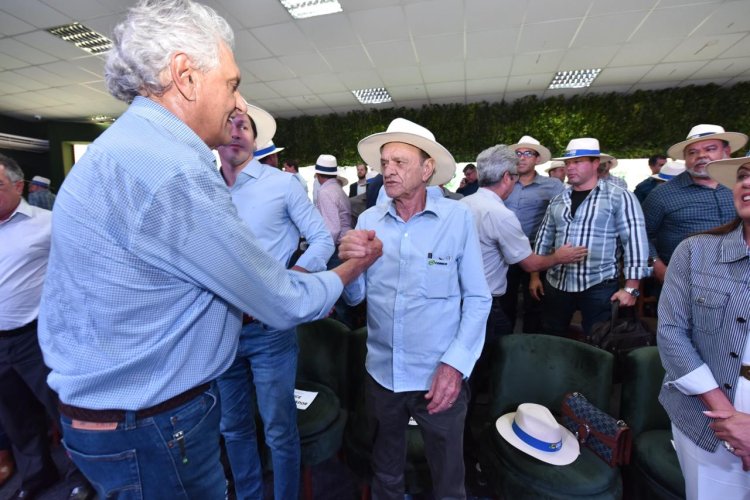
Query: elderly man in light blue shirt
(276, 209)
(427, 304)
(151, 266)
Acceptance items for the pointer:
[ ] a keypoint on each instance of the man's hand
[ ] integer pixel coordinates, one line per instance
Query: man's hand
(445, 388)
(536, 289)
(356, 243)
(567, 254)
(660, 270)
(626, 300)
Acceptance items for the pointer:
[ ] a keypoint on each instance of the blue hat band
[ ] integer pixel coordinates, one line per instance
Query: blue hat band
(666, 177)
(330, 170)
(259, 152)
(582, 152)
(534, 442)
(704, 134)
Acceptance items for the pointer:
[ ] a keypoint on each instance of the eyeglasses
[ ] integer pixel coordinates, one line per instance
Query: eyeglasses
(526, 154)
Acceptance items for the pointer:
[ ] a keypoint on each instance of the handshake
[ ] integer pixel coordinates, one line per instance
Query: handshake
(358, 250)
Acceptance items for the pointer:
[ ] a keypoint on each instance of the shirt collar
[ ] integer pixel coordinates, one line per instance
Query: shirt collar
(733, 246)
(434, 193)
(23, 208)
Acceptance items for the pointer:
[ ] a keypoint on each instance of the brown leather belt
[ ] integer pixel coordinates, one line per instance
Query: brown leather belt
(18, 331)
(89, 415)
(745, 371)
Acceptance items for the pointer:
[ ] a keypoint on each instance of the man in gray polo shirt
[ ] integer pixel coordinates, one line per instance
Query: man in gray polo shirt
(528, 201)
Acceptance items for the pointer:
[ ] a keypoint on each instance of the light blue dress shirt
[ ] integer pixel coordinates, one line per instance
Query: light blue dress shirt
(415, 315)
(276, 208)
(150, 267)
(530, 202)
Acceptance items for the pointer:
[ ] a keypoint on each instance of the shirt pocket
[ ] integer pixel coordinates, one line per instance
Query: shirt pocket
(437, 278)
(708, 308)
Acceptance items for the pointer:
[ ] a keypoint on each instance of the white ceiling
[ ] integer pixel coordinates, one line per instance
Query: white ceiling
(423, 52)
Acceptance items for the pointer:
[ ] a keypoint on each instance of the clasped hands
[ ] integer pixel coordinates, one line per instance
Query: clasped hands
(360, 244)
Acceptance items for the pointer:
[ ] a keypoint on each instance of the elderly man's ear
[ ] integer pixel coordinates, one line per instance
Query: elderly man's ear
(183, 75)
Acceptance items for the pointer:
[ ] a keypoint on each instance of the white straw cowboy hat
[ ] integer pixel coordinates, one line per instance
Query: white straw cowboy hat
(584, 146)
(40, 181)
(269, 149)
(725, 171)
(554, 164)
(704, 132)
(328, 165)
(533, 430)
(402, 130)
(669, 170)
(529, 142)
(264, 124)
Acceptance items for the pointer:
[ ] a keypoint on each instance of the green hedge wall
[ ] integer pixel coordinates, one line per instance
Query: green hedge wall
(635, 125)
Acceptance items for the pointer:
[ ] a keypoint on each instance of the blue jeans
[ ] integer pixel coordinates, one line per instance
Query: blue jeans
(144, 459)
(264, 372)
(593, 303)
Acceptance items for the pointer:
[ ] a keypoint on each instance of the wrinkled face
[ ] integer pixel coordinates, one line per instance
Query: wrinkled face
(701, 153)
(471, 175)
(217, 99)
(558, 173)
(742, 193)
(10, 194)
(581, 171)
(239, 150)
(405, 172)
(361, 171)
(527, 159)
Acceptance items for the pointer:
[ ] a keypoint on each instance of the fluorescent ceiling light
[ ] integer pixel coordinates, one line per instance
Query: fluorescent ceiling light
(575, 79)
(300, 9)
(372, 96)
(82, 37)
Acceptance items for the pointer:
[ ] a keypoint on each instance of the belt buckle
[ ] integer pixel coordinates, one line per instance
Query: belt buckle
(745, 371)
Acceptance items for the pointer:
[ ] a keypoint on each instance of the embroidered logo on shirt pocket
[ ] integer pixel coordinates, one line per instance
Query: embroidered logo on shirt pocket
(437, 277)
(708, 309)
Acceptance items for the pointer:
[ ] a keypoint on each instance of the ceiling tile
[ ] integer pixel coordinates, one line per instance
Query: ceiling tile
(393, 54)
(528, 82)
(363, 79)
(445, 72)
(257, 91)
(329, 31)
(621, 76)
(612, 6)
(306, 64)
(339, 99)
(590, 57)
(381, 24)
(36, 13)
(670, 72)
(673, 22)
(401, 76)
(347, 58)
(608, 29)
(723, 68)
(740, 49)
(488, 68)
(248, 48)
(11, 25)
(268, 69)
(645, 52)
(493, 14)
(282, 39)
(255, 14)
(547, 36)
(436, 49)
(435, 16)
(543, 62)
(23, 52)
(408, 92)
(293, 87)
(491, 43)
(702, 48)
(445, 89)
(52, 45)
(554, 10)
(728, 17)
(79, 10)
(486, 86)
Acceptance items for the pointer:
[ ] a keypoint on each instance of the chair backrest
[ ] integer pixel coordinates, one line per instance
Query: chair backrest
(535, 368)
(642, 379)
(323, 355)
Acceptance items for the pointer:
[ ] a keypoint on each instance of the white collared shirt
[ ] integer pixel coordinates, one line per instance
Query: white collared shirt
(24, 252)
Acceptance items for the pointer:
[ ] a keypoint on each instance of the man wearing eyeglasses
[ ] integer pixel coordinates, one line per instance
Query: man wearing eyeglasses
(528, 201)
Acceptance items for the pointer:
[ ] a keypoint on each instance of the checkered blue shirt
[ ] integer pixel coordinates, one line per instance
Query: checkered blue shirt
(149, 269)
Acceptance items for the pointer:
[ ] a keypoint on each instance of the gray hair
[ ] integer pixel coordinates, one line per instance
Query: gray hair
(12, 169)
(148, 37)
(492, 163)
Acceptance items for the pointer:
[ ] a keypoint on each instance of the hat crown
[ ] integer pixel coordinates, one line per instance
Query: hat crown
(672, 168)
(537, 421)
(704, 129)
(38, 179)
(527, 139)
(404, 126)
(328, 161)
(583, 144)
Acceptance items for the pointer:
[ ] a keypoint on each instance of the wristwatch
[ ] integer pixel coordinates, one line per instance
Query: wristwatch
(632, 291)
(651, 261)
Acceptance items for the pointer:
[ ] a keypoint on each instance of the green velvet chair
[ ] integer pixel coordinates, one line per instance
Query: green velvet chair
(358, 437)
(322, 368)
(654, 471)
(534, 368)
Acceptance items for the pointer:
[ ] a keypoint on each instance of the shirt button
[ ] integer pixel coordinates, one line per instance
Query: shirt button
(734, 355)
(701, 300)
(727, 386)
(741, 320)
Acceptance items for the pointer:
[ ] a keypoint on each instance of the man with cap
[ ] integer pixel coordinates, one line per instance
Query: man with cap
(642, 190)
(556, 169)
(151, 266)
(427, 304)
(39, 193)
(332, 202)
(277, 210)
(528, 201)
(692, 202)
(605, 219)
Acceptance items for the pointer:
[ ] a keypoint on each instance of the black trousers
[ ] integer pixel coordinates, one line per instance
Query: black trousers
(389, 414)
(532, 308)
(26, 402)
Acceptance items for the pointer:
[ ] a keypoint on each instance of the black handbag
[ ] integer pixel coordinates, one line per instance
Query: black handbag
(610, 439)
(622, 333)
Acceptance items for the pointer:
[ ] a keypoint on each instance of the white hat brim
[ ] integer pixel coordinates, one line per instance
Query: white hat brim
(725, 171)
(275, 150)
(544, 153)
(736, 141)
(567, 454)
(601, 157)
(445, 165)
(265, 124)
